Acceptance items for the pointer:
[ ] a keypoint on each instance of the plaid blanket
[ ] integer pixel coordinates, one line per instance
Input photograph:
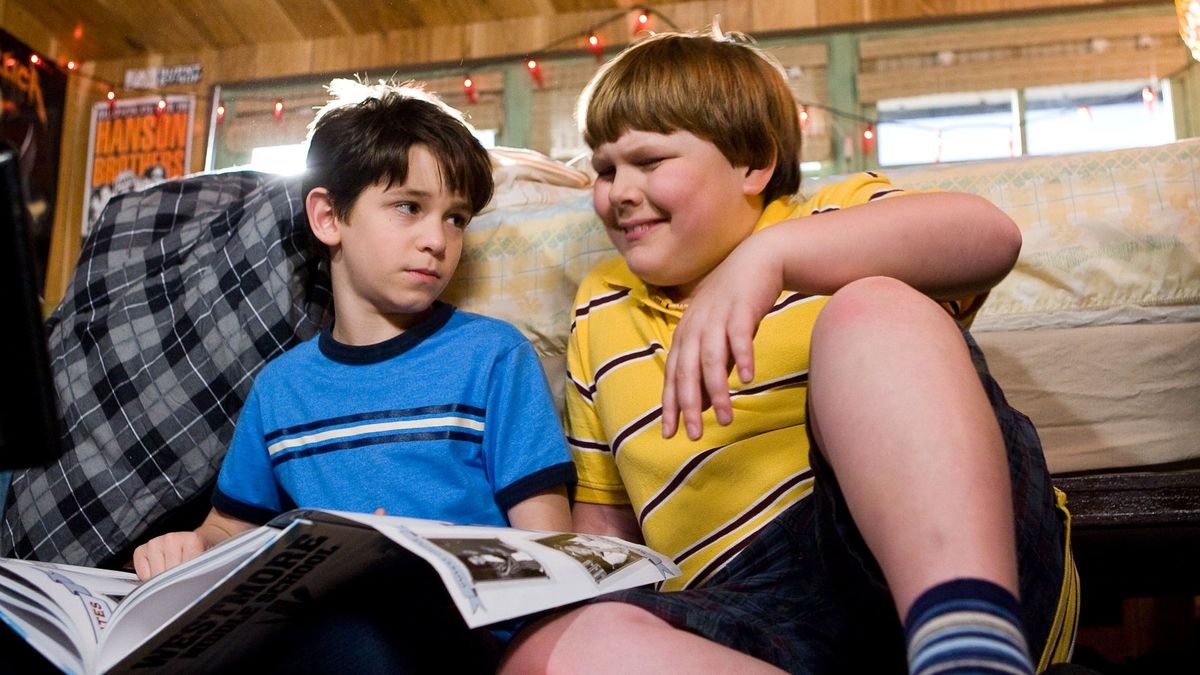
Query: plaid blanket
(181, 294)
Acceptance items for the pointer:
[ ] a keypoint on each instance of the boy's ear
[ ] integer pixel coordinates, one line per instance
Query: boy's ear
(757, 179)
(321, 218)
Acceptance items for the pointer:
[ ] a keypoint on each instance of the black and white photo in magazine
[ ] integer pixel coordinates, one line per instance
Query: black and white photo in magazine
(600, 557)
(492, 559)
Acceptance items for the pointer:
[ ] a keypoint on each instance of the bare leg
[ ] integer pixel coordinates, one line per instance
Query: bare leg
(614, 637)
(899, 412)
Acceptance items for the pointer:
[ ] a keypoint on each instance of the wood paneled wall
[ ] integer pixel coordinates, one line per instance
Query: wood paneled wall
(429, 46)
(1030, 55)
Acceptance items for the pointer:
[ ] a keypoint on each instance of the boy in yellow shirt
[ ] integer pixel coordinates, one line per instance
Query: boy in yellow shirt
(857, 488)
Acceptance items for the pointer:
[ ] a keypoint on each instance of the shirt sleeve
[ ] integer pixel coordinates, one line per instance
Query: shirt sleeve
(599, 480)
(523, 438)
(246, 486)
(861, 188)
(869, 186)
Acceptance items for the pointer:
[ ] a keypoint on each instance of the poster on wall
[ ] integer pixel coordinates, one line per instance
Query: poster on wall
(32, 97)
(134, 144)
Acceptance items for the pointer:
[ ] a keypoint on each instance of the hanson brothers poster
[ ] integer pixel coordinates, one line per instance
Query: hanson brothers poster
(134, 144)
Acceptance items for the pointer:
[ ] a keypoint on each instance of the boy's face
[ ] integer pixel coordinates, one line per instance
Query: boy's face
(400, 245)
(673, 205)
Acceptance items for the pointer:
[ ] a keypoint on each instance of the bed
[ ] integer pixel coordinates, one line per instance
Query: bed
(1095, 334)
(183, 291)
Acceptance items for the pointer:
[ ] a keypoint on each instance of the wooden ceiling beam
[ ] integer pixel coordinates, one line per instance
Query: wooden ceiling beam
(119, 29)
(377, 16)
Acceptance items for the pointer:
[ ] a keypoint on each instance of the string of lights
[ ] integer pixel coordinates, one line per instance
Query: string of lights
(642, 19)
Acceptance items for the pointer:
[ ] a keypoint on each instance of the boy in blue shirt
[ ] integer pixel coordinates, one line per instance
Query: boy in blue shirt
(403, 404)
(857, 487)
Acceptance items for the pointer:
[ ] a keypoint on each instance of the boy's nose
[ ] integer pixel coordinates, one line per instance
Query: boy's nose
(432, 237)
(625, 188)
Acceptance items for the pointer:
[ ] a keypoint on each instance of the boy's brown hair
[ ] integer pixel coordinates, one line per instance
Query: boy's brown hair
(365, 132)
(718, 87)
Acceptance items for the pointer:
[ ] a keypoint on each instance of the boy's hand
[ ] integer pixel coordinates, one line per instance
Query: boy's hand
(162, 553)
(716, 332)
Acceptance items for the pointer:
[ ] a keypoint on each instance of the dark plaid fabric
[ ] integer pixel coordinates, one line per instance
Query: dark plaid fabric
(181, 294)
(807, 596)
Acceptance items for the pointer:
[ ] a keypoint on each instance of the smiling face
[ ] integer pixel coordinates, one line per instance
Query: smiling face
(673, 205)
(395, 252)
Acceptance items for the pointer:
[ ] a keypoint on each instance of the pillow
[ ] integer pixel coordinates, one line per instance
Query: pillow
(522, 263)
(184, 291)
(1109, 237)
(181, 294)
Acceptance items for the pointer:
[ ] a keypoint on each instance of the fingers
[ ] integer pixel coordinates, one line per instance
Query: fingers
(192, 547)
(150, 559)
(697, 377)
(141, 562)
(681, 384)
(741, 349)
(714, 336)
(714, 377)
(162, 553)
(670, 403)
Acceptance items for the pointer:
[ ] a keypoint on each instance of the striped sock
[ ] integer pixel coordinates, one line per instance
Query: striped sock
(966, 626)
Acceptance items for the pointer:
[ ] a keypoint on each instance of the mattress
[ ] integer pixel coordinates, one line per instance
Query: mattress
(1104, 397)
(1093, 334)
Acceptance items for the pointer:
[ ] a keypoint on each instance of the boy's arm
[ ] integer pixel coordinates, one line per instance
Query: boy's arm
(164, 552)
(615, 521)
(947, 245)
(546, 510)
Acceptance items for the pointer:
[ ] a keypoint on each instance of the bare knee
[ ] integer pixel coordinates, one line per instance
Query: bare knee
(574, 642)
(873, 334)
(878, 313)
(873, 303)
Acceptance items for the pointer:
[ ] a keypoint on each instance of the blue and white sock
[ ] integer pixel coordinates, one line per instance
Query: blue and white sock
(966, 626)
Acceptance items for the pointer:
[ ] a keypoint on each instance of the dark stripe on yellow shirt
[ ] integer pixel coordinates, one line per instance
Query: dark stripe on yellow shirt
(757, 508)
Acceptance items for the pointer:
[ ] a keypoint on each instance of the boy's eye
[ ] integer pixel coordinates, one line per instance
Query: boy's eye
(650, 162)
(407, 208)
(458, 220)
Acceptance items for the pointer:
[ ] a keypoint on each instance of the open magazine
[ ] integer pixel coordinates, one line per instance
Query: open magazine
(212, 608)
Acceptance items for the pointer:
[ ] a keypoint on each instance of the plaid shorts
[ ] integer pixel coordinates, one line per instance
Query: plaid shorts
(808, 596)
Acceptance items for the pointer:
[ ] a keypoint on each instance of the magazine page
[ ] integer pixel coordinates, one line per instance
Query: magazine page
(45, 630)
(152, 605)
(76, 603)
(494, 574)
(241, 604)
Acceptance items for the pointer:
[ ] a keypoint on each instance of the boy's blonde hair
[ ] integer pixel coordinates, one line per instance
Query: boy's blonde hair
(716, 86)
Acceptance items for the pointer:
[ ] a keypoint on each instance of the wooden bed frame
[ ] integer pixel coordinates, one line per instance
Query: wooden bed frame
(1136, 532)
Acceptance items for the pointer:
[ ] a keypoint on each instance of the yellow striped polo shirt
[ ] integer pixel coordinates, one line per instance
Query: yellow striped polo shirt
(702, 501)
(698, 501)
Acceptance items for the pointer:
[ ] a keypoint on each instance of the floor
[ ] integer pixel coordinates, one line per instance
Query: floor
(1154, 635)
(1140, 585)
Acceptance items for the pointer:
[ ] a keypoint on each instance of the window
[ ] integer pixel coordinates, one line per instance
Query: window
(1101, 116)
(1058, 119)
(947, 128)
(283, 159)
